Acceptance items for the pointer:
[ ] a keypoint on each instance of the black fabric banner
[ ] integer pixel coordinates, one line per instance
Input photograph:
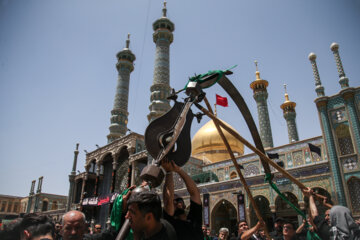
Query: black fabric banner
(206, 205)
(315, 149)
(241, 206)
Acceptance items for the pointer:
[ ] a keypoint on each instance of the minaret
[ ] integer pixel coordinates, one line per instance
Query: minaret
(31, 195)
(319, 88)
(160, 89)
(119, 114)
(72, 179)
(288, 108)
(344, 81)
(38, 192)
(260, 95)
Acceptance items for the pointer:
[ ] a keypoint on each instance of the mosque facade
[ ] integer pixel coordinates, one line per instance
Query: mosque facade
(334, 173)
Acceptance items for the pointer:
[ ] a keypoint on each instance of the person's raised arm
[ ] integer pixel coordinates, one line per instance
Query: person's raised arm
(301, 227)
(168, 191)
(248, 233)
(190, 184)
(313, 209)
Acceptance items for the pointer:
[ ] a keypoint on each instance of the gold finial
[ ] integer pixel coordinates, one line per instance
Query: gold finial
(257, 71)
(128, 41)
(286, 94)
(164, 3)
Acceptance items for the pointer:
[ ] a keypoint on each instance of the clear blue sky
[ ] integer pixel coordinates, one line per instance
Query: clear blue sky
(58, 76)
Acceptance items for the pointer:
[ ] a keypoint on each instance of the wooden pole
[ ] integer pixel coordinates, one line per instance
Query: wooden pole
(255, 150)
(242, 179)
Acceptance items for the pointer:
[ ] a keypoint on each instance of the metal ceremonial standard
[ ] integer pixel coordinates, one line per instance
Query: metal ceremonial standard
(168, 137)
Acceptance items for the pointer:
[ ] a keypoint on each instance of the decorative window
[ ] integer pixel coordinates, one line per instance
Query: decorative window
(44, 206)
(233, 175)
(54, 205)
(9, 207)
(251, 170)
(16, 207)
(3, 206)
(354, 192)
(344, 139)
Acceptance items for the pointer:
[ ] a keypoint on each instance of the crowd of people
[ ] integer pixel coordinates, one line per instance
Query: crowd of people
(153, 219)
(337, 224)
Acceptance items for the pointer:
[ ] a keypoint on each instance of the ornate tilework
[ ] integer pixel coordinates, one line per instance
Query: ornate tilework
(350, 163)
(298, 158)
(289, 161)
(251, 170)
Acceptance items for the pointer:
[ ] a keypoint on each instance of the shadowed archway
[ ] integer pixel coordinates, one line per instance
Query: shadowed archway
(223, 215)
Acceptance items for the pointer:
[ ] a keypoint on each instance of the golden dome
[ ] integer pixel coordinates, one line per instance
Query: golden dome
(208, 146)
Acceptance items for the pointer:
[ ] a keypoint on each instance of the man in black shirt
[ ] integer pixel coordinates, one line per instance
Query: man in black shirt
(278, 228)
(245, 233)
(186, 227)
(144, 212)
(322, 224)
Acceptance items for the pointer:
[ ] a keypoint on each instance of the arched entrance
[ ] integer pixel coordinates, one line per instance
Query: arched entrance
(223, 215)
(45, 204)
(121, 179)
(264, 207)
(283, 209)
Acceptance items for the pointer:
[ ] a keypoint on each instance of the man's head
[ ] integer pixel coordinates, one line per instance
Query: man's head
(223, 233)
(144, 209)
(179, 202)
(57, 227)
(261, 233)
(204, 229)
(288, 230)
(97, 228)
(36, 227)
(73, 225)
(208, 232)
(242, 226)
(327, 216)
(278, 225)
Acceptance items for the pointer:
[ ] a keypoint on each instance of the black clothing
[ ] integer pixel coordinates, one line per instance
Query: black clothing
(166, 232)
(323, 229)
(105, 235)
(275, 234)
(295, 237)
(191, 228)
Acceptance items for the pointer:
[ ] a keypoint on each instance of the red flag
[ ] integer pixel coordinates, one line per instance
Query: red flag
(222, 101)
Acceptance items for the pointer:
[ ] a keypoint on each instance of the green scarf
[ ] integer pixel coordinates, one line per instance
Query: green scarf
(116, 212)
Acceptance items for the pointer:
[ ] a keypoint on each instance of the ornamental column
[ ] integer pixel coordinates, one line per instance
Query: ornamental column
(343, 80)
(31, 195)
(72, 179)
(119, 114)
(319, 89)
(288, 108)
(160, 89)
(260, 95)
(37, 195)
